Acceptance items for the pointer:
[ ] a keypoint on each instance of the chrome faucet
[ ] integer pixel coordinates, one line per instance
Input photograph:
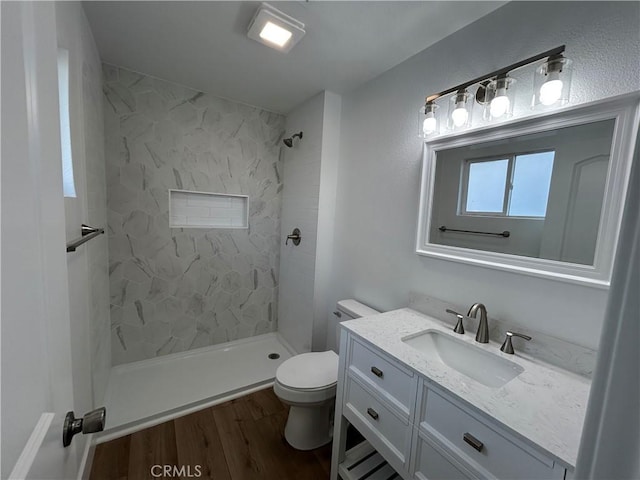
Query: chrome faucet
(482, 335)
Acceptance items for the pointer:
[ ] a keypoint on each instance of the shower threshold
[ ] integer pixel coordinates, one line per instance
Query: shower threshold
(149, 392)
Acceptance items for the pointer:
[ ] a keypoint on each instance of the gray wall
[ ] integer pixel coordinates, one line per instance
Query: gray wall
(177, 289)
(308, 202)
(379, 177)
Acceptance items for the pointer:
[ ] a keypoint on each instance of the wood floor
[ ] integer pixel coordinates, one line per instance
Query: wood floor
(239, 440)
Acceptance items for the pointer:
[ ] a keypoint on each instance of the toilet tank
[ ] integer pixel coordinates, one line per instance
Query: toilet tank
(353, 309)
(348, 310)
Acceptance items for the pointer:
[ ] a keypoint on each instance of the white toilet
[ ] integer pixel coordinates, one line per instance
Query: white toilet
(307, 383)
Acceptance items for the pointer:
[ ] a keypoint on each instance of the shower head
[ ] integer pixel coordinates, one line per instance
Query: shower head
(289, 141)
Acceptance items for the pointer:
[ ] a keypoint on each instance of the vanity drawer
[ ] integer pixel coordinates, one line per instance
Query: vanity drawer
(393, 381)
(384, 429)
(486, 448)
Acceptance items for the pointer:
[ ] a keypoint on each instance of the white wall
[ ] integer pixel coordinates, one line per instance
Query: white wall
(329, 164)
(300, 197)
(379, 175)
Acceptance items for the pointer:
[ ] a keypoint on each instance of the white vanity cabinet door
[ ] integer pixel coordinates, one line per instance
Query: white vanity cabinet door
(500, 456)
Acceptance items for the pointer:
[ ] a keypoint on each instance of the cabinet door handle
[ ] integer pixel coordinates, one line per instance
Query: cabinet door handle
(372, 413)
(473, 441)
(377, 372)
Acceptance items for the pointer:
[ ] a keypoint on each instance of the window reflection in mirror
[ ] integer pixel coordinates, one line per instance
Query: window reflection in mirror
(545, 189)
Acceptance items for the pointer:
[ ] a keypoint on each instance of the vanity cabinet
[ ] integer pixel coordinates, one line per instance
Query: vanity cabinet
(474, 444)
(418, 429)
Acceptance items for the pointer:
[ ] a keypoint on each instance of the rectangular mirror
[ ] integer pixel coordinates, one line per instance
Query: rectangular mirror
(542, 196)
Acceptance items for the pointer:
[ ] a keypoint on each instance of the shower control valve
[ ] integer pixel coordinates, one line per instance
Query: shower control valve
(295, 237)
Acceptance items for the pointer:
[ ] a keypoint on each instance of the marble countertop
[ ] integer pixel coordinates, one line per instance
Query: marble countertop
(542, 405)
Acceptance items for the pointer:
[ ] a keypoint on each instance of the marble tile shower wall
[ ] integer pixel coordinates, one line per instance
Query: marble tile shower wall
(178, 289)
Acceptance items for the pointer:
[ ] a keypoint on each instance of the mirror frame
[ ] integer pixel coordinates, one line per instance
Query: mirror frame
(625, 110)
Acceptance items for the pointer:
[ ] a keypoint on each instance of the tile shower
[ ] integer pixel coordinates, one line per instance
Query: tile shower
(173, 290)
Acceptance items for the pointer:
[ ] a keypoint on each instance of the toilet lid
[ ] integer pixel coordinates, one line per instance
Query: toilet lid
(309, 370)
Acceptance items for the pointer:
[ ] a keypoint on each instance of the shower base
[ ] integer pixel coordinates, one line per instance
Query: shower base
(149, 392)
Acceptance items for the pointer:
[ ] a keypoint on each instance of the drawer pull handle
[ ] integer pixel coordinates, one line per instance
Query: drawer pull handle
(473, 441)
(372, 413)
(377, 372)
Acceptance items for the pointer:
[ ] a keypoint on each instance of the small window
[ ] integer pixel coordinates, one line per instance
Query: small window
(530, 185)
(515, 186)
(485, 189)
(68, 185)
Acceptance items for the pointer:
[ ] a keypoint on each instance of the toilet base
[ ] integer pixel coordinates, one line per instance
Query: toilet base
(309, 427)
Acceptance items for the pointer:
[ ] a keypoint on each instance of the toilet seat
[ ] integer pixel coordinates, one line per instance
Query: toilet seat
(309, 371)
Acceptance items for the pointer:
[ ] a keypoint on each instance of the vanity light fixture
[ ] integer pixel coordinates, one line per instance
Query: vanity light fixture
(460, 109)
(552, 81)
(275, 29)
(496, 93)
(502, 93)
(428, 120)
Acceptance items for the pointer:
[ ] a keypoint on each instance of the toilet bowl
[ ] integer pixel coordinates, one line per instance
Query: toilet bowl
(307, 383)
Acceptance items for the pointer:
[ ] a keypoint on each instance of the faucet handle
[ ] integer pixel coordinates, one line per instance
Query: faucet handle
(507, 346)
(459, 328)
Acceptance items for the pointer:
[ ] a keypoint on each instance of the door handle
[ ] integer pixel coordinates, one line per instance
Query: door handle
(92, 422)
(372, 413)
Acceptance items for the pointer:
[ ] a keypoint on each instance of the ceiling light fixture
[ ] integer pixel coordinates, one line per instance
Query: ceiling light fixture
(275, 29)
(496, 93)
(275, 34)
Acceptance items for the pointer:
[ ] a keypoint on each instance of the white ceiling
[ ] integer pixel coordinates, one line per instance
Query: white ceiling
(203, 45)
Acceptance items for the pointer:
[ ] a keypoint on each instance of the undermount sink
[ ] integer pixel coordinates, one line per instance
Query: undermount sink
(477, 364)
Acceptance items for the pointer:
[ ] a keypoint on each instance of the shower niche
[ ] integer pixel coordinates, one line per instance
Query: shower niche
(189, 209)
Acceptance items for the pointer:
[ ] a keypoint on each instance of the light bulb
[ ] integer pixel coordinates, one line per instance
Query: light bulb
(551, 91)
(459, 116)
(499, 106)
(429, 125)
